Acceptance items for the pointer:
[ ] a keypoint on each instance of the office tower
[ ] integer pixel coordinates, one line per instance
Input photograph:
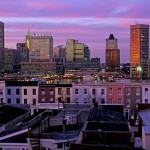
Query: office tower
(74, 50)
(40, 46)
(86, 53)
(22, 53)
(10, 60)
(139, 51)
(112, 54)
(60, 51)
(1, 45)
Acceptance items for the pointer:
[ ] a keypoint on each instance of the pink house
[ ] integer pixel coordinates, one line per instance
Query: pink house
(115, 93)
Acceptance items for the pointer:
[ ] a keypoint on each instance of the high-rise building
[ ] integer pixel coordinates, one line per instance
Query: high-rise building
(60, 51)
(112, 54)
(139, 51)
(74, 50)
(86, 53)
(10, 60)
(40, 46)
(22, 53)
(1, 45)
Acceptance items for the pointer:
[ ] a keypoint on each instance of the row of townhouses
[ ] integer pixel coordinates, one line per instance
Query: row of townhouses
(125, 93)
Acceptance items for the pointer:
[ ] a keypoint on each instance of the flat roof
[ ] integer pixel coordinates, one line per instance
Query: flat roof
(9, 113)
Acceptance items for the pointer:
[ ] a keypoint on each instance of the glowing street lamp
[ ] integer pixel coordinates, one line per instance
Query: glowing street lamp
(139, 70)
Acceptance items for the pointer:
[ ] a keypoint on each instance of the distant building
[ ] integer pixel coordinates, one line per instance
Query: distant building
(38, 68)
(60, 52)
(85, 67)
(22, 52)
(86, 53)
(139, 51)
(40, 46)
(10, 60)
(112, 54)
(1, 45)
(74, 51)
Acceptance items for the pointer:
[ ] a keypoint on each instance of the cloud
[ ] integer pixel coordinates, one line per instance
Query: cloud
(89, 21)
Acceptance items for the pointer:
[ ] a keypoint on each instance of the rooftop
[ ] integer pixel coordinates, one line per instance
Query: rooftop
(9, 113)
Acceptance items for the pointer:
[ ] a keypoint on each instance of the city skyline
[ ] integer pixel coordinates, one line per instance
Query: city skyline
(89, 22)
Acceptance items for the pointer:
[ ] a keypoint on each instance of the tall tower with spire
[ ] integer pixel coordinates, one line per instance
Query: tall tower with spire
(112, 54)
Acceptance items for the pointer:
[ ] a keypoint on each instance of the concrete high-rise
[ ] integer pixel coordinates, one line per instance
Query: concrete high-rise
(139, 51)
(1, 46)
(74, 50)
(112, 54)
(40, 46)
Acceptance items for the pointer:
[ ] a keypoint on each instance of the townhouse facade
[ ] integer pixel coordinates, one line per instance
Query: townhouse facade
(63, 93)
(21, 92)
(46, 93)
(115, 93)
(125, 93)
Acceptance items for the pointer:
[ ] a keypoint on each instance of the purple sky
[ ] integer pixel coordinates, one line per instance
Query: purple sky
(89, 21)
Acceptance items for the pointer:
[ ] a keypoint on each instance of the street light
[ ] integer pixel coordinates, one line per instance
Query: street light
(139, 70)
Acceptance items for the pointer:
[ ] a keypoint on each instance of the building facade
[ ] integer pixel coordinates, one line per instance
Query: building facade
(139, 51)
(1, 45)
(22, 52)
(112, 54)
(74, 50)
(40, 46)
(46, 93)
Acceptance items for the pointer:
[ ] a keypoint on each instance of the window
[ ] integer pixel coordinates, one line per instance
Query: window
(51, 100)
(93, 91)
(110, 101)
(137, 91)
(9, 91)
(146, 91)
(119, 91)
(102, 91)
(25, 91)
(68, 99)
(18, 101)
(25, 101)
(146, 101)
(1, 100)
(76, 91)
(68, 91)
(34, 91)
(127, 91)
(102, 101)
(1, 91)
(60, 145)
(51, 92)
(119, 101)
(17, 91)
(127, 102)
(76, 100)
(110, 90)
(59, 99)
(43, 99)
(43, 92)
(9, 100)
(85, 91)
(59, 91)
(85, 100)
(34, 101)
